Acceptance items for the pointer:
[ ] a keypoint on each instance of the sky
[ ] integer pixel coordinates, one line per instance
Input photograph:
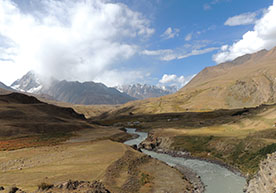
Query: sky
(158, 42)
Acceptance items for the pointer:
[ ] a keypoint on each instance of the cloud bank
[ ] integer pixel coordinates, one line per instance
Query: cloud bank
(263, 36)
(69, 39)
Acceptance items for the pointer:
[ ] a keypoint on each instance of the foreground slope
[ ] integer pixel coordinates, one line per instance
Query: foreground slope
(245, 82)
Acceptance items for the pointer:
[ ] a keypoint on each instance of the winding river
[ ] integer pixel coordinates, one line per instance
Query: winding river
(216, 178)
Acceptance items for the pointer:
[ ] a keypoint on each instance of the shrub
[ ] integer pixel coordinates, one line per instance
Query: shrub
(45, 186)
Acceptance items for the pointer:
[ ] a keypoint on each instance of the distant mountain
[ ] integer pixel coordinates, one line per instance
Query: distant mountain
(30, 83)
(5, 87)
(86, 93)
(72, 92)
(144, 91)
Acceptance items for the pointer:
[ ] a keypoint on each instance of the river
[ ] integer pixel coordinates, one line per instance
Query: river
(217, 179)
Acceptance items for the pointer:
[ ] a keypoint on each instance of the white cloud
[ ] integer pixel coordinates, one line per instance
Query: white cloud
(197, 52)
(262, 37)
(114, 78)
(242, 19)
(170, 33)
(168, 78)
(189, 36)
(174, 80)
(168, 54)
(68, 39)
(208, 6)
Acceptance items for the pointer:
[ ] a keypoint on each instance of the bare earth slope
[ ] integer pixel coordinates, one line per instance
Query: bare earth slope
(245, 82)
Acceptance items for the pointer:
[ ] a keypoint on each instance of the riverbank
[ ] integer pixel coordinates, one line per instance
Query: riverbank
(188, 155)
(216, 178)
(188, 174)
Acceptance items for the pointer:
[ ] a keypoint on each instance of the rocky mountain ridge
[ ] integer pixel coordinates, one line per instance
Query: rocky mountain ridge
(143, 91)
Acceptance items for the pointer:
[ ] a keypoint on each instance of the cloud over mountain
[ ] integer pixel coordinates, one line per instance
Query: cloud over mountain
(68, 39)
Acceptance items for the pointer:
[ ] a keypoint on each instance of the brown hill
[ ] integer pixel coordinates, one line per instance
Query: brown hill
(24, 116)
(245, 82)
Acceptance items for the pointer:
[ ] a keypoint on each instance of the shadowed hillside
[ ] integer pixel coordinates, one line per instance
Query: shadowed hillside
(26, 116)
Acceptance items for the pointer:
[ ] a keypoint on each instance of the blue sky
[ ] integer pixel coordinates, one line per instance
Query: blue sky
(160, 42)
(190, 17)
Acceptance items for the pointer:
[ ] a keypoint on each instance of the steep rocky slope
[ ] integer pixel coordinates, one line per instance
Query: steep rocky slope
(28, 83)
(265, 180)
(247, 81)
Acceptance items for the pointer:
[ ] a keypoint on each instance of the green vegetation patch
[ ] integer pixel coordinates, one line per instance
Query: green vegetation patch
(244, 154)
(145, 179)
(193, 144)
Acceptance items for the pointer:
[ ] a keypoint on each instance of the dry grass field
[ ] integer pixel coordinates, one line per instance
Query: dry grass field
(29, 167)
(89, 157)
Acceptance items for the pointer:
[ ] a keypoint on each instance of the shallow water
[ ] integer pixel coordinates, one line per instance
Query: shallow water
(216, 178)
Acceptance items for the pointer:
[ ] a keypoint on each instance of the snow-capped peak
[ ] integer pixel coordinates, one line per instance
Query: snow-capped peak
(30, 83)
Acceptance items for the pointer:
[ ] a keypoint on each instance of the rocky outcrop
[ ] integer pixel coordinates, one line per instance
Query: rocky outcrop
(265, 180)
(65, 187)
(74, 186)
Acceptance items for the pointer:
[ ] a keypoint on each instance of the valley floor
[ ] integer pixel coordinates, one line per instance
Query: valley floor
(240, 138)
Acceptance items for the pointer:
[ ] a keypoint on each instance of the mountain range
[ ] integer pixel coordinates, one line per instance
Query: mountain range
(247, 81)
(72, 92)
(86, 93)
